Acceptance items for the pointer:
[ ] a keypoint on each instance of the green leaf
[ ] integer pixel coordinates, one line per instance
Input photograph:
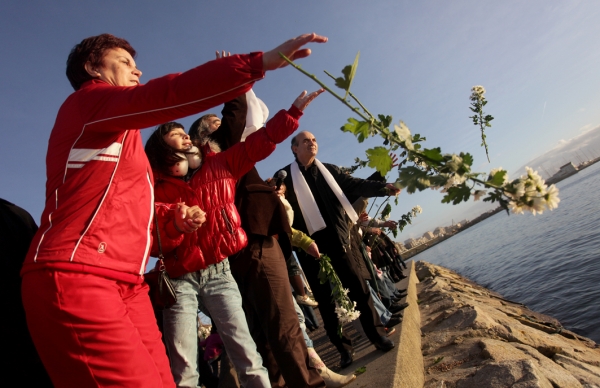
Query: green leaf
(346, 81)
(380, 159)
(386, 121)
(386, 211)
(360, 370)
(434, 154)
(411, 178)
(467, 158)
(352, 73)
(498, 178)
(457, 194)
(360, 129)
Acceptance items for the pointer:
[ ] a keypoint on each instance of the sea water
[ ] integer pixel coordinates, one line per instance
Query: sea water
(549, 262)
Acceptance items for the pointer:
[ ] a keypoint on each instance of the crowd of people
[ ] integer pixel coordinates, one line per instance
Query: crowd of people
(226, 234)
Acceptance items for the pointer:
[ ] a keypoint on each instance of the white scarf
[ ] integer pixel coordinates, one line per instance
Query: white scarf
(310, 211)
(257, 115)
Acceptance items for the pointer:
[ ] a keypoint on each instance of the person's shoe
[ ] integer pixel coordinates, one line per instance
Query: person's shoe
(396, 299)
(393, 321)
(331, 379)
(347, 358)
(397, 307)
(399, 314)
(390, 331)
(384, 344)
(306, 300)
(402, 291)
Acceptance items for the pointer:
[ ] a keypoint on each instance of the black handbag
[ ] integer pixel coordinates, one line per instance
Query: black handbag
(162, 293)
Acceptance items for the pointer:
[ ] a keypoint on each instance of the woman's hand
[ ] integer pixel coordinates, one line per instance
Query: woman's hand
(363, 218)
(392, 190)
(222, 54)
(304, 99)
(313, 250)
(291, 49)
(390, 224)
(188, 219)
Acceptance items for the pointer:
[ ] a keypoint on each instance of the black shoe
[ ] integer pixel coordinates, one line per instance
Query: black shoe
(397, 307)
(393, 321)
(384, 344)
(347, 358)
(397, 299)
(402, 291)
(399, 314)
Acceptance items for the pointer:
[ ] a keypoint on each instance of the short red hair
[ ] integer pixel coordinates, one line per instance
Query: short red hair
(92, 49)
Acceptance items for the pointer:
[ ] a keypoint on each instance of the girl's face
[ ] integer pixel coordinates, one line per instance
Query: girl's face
(178, 139)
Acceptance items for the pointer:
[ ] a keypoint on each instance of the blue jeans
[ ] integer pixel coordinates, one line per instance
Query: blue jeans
(217, 291)
(307, 340)
(384, 314)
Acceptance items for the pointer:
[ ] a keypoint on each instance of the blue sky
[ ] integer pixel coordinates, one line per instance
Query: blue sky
(539, 61)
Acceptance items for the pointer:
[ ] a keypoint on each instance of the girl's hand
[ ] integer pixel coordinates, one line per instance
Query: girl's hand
(188, 219)
(304, 99)
(196, 216)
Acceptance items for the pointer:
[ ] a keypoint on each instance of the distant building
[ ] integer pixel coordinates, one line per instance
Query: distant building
(439, 231)
(410, 243)
(565, 171)
(428, 235)
(400, 247)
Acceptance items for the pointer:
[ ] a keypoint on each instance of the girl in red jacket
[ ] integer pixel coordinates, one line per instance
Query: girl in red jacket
(197, 261)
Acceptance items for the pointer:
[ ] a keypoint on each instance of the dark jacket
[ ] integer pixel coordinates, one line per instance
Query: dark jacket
(260, 209)
(330, 207)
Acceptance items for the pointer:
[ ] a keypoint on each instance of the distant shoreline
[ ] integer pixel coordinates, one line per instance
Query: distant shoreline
(438, 239)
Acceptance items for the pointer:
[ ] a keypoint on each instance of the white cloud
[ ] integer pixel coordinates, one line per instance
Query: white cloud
(586, 128)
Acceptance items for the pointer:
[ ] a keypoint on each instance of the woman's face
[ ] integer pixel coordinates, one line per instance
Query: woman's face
(118, 68)
(178, 139)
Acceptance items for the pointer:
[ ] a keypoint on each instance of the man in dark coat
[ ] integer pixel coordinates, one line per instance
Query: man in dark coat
(334, 238)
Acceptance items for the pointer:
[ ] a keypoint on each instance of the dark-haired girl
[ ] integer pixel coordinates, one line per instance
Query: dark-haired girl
(197, 261)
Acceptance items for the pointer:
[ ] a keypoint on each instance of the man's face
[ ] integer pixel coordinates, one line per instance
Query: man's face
(306, 147)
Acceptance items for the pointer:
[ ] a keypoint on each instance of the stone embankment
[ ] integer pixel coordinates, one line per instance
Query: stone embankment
(472, 337)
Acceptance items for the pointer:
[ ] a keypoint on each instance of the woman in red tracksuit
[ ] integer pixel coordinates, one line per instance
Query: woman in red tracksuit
(197, 262)
(87, 307)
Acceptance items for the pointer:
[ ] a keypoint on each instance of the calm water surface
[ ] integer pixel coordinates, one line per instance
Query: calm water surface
(549, 262)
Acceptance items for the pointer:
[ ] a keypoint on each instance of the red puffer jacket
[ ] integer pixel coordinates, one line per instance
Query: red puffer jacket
(212, 188)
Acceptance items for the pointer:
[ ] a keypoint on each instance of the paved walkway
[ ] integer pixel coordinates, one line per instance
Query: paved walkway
(400, 367)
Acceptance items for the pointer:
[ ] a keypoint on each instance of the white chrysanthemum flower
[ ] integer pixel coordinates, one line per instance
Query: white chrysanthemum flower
(537, 205)
(454, 163)
(402, 131)
(454, 180)
(478, 89)
(534, 176)
(515, 207)
(551, 197)
(478, 194)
